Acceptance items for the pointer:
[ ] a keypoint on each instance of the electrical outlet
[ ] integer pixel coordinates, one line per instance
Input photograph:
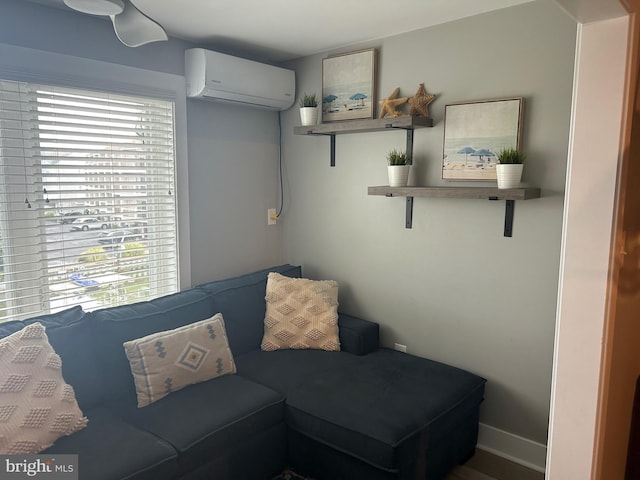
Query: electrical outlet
(399, 347)
(271, 216)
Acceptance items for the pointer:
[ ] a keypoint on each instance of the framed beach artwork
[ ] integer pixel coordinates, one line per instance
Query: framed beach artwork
(348, 86)
(474, 134)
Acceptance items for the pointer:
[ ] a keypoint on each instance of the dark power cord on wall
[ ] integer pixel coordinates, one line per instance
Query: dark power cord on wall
(280, 165)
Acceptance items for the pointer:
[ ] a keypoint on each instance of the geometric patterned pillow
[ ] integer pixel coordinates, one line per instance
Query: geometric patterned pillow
(301, 313)
(168, 361)
(36, 405)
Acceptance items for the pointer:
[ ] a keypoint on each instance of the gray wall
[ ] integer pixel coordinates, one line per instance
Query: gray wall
(233, 180)
(233, 152)
(452, 288)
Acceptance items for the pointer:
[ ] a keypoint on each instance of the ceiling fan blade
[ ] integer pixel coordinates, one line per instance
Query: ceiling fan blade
(96, 7)
(134, 28)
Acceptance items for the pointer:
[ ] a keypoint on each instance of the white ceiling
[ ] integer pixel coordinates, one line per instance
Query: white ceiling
(297, 28)
(286, 29)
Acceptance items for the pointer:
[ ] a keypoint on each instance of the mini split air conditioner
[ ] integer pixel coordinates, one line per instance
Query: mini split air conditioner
(216, 76)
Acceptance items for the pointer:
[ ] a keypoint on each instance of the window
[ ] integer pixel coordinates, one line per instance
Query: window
(87, 199)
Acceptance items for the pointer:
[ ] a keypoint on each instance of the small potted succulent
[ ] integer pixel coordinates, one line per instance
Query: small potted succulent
(509, 167)
(308, 109)
(398, 168)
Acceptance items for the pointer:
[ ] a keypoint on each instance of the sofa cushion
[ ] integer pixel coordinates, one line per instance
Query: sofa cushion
(300, 314)
(165, 362)
(259, 457)
(218, 286)
(110, 448)
(286, 370)
(208, 417)
(72, 337)
(241, 302)
(117, 325)
(371, 408)
(70, 315)
(36, 405)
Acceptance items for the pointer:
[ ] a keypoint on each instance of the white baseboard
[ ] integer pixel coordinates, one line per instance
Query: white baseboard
(518, 449)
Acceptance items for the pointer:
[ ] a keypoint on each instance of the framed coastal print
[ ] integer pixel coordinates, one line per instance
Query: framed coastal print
(474, 134)
(348, 86)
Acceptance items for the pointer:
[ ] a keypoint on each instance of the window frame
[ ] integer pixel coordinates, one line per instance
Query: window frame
(37, 66)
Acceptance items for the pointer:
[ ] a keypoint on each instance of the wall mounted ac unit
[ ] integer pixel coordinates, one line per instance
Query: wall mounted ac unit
(216, 76)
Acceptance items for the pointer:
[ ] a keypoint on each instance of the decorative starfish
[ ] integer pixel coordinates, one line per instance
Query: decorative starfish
(390, 104)
(420, 102)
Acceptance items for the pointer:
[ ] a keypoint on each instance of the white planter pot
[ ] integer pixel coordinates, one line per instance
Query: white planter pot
(509, 175)
(309, 115)
(398, 175)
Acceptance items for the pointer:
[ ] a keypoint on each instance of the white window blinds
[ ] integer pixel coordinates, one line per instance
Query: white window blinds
(87, 204)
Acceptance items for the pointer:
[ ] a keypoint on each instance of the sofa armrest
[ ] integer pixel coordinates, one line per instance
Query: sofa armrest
(357, 336)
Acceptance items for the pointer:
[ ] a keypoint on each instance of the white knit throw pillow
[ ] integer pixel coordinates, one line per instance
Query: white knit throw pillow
(301, 314)
(36, 405)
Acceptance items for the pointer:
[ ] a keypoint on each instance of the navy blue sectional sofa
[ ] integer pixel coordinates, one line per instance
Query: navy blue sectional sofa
(364, 412)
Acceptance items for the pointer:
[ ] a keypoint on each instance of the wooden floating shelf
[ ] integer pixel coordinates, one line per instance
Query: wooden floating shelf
(406, 123)
(481, 193)
(361, 126)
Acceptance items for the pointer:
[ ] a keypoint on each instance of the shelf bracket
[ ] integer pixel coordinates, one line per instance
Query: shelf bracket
(409, 148)
(409, 213)
(508, 217)
(509, 208)
(333, 144)
(333, 150)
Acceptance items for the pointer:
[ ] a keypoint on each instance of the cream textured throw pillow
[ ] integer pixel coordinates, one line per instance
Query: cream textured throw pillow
(36, 405)
(301, 313)
(165, 362)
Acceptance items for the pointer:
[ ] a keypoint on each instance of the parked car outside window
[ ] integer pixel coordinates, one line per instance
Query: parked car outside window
(89, 223)
(68, 217)
(117, 236)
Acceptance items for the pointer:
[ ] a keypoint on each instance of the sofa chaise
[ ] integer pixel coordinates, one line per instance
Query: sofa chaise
(363, 412)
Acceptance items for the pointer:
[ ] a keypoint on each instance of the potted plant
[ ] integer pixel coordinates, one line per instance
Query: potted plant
(509, 167)
(398, 168)
(308, 109)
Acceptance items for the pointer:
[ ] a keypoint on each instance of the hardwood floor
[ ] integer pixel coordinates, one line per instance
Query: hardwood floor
(466, 473)
(482, 466)
(487, 466)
